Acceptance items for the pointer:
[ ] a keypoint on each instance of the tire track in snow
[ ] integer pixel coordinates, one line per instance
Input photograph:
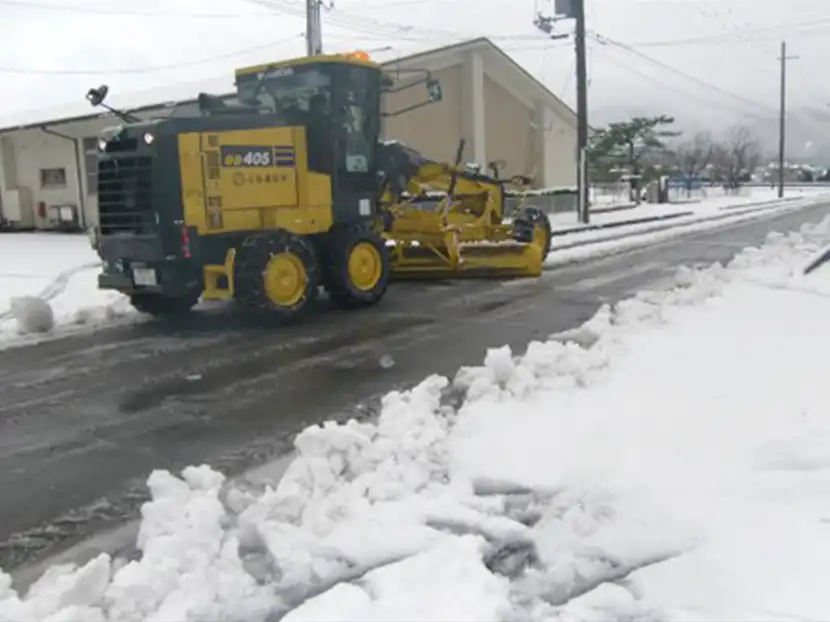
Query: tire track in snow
(56, 286)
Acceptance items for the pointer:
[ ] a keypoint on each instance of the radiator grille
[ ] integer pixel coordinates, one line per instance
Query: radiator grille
(125, 195)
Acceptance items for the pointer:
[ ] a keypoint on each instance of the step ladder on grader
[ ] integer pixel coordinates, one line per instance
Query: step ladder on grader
(463, 234)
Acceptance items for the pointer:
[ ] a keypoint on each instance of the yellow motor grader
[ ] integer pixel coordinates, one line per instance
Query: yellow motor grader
(265, 201)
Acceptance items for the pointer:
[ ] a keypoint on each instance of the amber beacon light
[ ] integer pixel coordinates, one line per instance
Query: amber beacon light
(358, 55)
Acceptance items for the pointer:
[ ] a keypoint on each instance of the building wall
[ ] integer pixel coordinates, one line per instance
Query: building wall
(435, 129)
(8, 172)
(526, 133)
(550, 140)
(30, 151)
(560, 143)
(35, 152)
(509, 134)
(533, 141)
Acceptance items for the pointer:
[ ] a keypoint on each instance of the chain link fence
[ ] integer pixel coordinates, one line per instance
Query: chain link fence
(548, 203)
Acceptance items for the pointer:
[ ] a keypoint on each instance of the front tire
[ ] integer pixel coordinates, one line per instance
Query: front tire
(276, 275)
(356, 266)
(532, 226)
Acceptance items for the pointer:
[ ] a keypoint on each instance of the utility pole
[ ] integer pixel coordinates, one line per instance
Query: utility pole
(581, 111)
(782, 118)
(575, 9)
(313, 28)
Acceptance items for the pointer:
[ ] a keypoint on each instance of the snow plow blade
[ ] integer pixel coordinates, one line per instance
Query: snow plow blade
(462, 232)
(488, 260)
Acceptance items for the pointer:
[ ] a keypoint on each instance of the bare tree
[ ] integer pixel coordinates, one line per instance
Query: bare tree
(692, 157)
(737, 156)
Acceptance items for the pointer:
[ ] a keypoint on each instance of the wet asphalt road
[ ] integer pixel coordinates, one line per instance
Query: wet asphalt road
(83, 420)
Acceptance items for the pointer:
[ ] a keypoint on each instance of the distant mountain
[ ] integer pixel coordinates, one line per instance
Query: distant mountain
(806, 136)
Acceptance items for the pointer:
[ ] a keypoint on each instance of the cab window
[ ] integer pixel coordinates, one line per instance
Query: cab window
(358, 121)
(287, 90)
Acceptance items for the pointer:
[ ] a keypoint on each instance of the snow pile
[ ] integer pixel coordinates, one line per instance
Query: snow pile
(667, 460)
(32, 314)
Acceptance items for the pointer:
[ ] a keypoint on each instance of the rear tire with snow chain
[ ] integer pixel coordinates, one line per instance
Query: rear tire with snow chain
(355, 265)
(163, 306)
(276, 276)
(532, 226)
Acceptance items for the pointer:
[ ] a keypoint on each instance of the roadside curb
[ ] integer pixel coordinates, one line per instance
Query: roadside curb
(768, 206)
(620, 223)
(629, 206)
(663, 217)
(615, 208)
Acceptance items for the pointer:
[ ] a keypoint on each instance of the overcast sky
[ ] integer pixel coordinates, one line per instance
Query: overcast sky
(51, 51)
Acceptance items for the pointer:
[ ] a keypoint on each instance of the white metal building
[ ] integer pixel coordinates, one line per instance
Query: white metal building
(501, 111)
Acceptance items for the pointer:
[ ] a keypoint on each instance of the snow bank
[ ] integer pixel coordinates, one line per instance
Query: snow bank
(667, 460)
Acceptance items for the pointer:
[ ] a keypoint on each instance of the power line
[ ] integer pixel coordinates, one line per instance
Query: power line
(137, 70)
(241, 52)
(737, 35)
(361, 23)
(383, 5)
(745, 100)
(341, 21)
(687, 94)
(729, 37)
(570, 76)
(109, 11)
(358, 18)
(739, 30)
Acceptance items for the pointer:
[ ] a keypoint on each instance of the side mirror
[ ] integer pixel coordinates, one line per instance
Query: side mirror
(208, 102)
(436, 93)
(97, 96)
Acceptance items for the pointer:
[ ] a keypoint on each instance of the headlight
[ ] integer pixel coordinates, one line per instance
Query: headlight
(102, 144)
(149, 138)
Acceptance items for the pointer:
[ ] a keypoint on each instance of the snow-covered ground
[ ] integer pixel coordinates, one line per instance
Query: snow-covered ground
(62, 269)
(669, 460)
(617, 194)
(700, 207)
(579, 246)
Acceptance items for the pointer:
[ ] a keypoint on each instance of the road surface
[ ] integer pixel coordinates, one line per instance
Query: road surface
(83, 420)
